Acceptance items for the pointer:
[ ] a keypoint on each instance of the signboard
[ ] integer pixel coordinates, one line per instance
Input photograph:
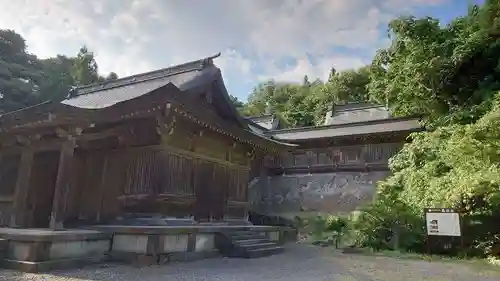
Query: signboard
(442, 222)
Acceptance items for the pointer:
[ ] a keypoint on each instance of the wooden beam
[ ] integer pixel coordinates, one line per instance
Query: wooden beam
(115, 131)
(18, 217)
(63, 184)
(329, 168)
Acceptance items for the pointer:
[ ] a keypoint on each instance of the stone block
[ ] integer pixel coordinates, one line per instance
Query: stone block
(130, 243)
(175, 243)
(146, 260)
(205, 242)
(273, 235)
(74, 249)
(21, 251)
(32, 250)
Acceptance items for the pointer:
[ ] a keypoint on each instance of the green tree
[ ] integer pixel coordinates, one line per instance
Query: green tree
(306, 104)
(449, 73)
(57, 77)
(20, 73)
(85, 69)
(452, 74)
(26, 80)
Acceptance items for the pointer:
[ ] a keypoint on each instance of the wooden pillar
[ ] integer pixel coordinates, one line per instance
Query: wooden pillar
(18, 217)
(63, 184)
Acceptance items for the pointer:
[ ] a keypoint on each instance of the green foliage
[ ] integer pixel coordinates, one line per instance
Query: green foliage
(25, 80)
(448, 73)
(306, 104)
(326, 229)
(20, 73)
(57, 77)
(452, 74)
(388, 224)
(84, 69)
(454, 166)
(337, 224)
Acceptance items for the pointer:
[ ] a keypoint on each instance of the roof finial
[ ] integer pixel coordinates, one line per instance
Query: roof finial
(73, 92)
(214, 56)
(209, 60)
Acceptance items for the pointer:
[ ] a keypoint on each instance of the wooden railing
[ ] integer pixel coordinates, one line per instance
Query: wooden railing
(375, 155)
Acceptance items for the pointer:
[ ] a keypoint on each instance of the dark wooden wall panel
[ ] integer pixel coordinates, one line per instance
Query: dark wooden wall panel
(73, 202)
(112, 184)
(341, 155)
(9, 167)
(177, 174)
(91, 190)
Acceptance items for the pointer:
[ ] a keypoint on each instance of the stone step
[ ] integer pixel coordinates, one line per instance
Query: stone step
(249, 247)
(243, 233)
(248, 244)
(250, 241)
(246, 237)
(263, 252)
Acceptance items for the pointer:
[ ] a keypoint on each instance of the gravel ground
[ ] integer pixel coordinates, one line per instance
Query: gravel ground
(298, 263)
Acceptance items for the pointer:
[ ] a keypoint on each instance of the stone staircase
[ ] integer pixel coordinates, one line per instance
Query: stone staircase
(246, 244)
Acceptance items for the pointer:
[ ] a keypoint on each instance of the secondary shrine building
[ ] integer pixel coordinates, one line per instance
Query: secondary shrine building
(170, 142)
(335, 167)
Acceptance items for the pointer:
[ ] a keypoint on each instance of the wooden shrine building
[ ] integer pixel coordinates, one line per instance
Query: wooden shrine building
(168, 141)
(336, 165)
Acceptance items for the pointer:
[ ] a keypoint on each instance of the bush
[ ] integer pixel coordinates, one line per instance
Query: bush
(383, 226)
(328, 229)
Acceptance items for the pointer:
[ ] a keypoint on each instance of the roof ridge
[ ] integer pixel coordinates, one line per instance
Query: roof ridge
(351, 124)
(260, 116)
(150, 75)
(360, 108)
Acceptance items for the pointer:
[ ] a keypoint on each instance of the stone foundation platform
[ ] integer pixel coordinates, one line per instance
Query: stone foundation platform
(147, 245)
(37, 250)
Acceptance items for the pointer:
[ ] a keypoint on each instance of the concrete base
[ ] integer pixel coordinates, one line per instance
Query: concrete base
(35, 250)
(148, 245)
(43, 266)
(147, 260)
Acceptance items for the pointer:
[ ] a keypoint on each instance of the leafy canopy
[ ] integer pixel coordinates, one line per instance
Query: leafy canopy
(306, 104)
(26, 80)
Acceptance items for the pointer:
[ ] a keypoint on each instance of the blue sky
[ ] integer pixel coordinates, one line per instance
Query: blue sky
(259, 39)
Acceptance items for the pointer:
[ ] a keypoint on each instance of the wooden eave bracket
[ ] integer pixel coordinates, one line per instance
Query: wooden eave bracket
(165, 120)
(22, 140)
(251, 154)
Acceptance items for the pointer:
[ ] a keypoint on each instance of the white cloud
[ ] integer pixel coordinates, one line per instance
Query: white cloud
(131, 36)
(304, 66)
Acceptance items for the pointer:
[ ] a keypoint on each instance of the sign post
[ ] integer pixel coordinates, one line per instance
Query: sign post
(442, 222)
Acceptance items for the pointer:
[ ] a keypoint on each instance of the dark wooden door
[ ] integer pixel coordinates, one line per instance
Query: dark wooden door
(211, 183)
(42, 185)
(204, 174)
(219, 193)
